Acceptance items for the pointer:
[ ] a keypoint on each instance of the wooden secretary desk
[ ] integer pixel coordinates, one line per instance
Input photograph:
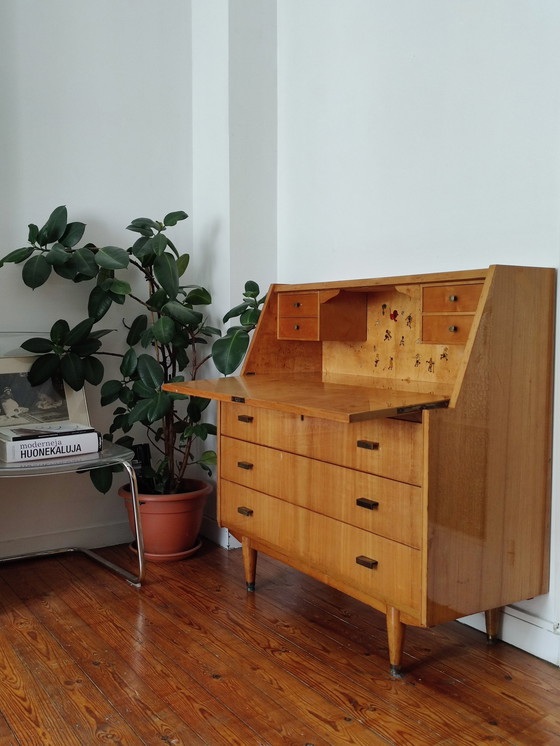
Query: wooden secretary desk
(392, 438)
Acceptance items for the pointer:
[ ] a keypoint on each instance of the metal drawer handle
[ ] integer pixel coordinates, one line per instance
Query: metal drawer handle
(364, 502)
(453, 329)
(369, 445)
(371, 564)
(244, 465)
(296, 326)
(297, 305)
(453, 298)
(245, 511)
(244, 418)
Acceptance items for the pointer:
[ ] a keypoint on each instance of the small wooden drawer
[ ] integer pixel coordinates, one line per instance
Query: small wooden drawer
(385, 570)
(321, 316)
(451, 298)
(449, 330)
(298, 304)
(385, 447)
(298, 328)
(382, 506)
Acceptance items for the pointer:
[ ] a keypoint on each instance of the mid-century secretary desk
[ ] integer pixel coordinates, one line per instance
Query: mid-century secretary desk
(392, 438)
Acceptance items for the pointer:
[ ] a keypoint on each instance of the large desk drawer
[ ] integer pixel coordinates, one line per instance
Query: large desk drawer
(386, 570)
(383, 506)
(386, 447)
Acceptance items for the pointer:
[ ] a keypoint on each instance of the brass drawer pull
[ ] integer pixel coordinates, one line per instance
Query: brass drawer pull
(244, 418)
(453, 329)
(453, 298)
(364, 502)
(371, 564)
(245, 465)
(369, 445)
(245, 511)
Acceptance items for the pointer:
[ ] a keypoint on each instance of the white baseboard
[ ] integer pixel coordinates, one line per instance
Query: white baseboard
(539, 637)
(89, 537)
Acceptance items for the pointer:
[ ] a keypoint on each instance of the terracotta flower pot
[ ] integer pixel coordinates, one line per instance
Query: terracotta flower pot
(170, 523)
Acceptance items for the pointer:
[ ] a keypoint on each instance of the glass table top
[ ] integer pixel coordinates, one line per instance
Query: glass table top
(110, 455)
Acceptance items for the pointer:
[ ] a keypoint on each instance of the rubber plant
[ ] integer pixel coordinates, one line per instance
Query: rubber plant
(168, 340)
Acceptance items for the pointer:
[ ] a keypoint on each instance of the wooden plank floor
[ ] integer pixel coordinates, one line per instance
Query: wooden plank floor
(191, 658)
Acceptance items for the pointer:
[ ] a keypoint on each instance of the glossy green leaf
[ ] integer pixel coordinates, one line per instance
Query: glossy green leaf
(80, 332)
(172, 218)
(54, 227)
(139, 412)
(119, 287)
(228, 351)
(111, 257)
(199, 297)
(72, 370)
(43, 369)
(137, 328)
(252, 290)
(99, 303)
(165, 271)
(58, 256)
(181, 313)
(86, 347)
(142, 391)
(33, 233)
(235, 311)
(36, 271)
(59, 331)
(37, 345)
(157, 244)
(158, 299)
(83, 261)
(110, 392)
(93, 370)
(72, 234)
(102, 478)
(19, 255)
(128, 363)
(182, 264)
(150, 371)
(250, 317)
(164, 330)
(208, 457)
(159, 406)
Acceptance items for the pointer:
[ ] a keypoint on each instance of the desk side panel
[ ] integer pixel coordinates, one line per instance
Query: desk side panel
(489, 457)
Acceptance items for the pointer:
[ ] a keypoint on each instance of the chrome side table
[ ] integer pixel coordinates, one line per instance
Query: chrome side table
(111, 455)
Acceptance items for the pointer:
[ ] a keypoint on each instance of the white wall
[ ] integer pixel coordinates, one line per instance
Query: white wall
(422, 136)
(96, 114)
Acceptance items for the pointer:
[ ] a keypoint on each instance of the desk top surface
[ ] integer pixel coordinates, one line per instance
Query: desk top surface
(311, 396)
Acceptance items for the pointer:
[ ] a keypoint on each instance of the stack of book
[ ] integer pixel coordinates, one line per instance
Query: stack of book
(32, 442)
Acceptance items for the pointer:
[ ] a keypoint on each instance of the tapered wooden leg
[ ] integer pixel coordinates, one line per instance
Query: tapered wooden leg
(395, 635)
(493, 623)
(249, 563)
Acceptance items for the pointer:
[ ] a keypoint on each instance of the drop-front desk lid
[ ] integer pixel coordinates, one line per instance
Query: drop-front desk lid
(310, 395)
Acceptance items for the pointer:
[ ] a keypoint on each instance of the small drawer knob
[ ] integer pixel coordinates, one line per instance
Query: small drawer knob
(453, 298)
(368, 562)
(365, 502)
(245, 511)
(297, 304)
(453, 329)
(245, 465)
(296, 327)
